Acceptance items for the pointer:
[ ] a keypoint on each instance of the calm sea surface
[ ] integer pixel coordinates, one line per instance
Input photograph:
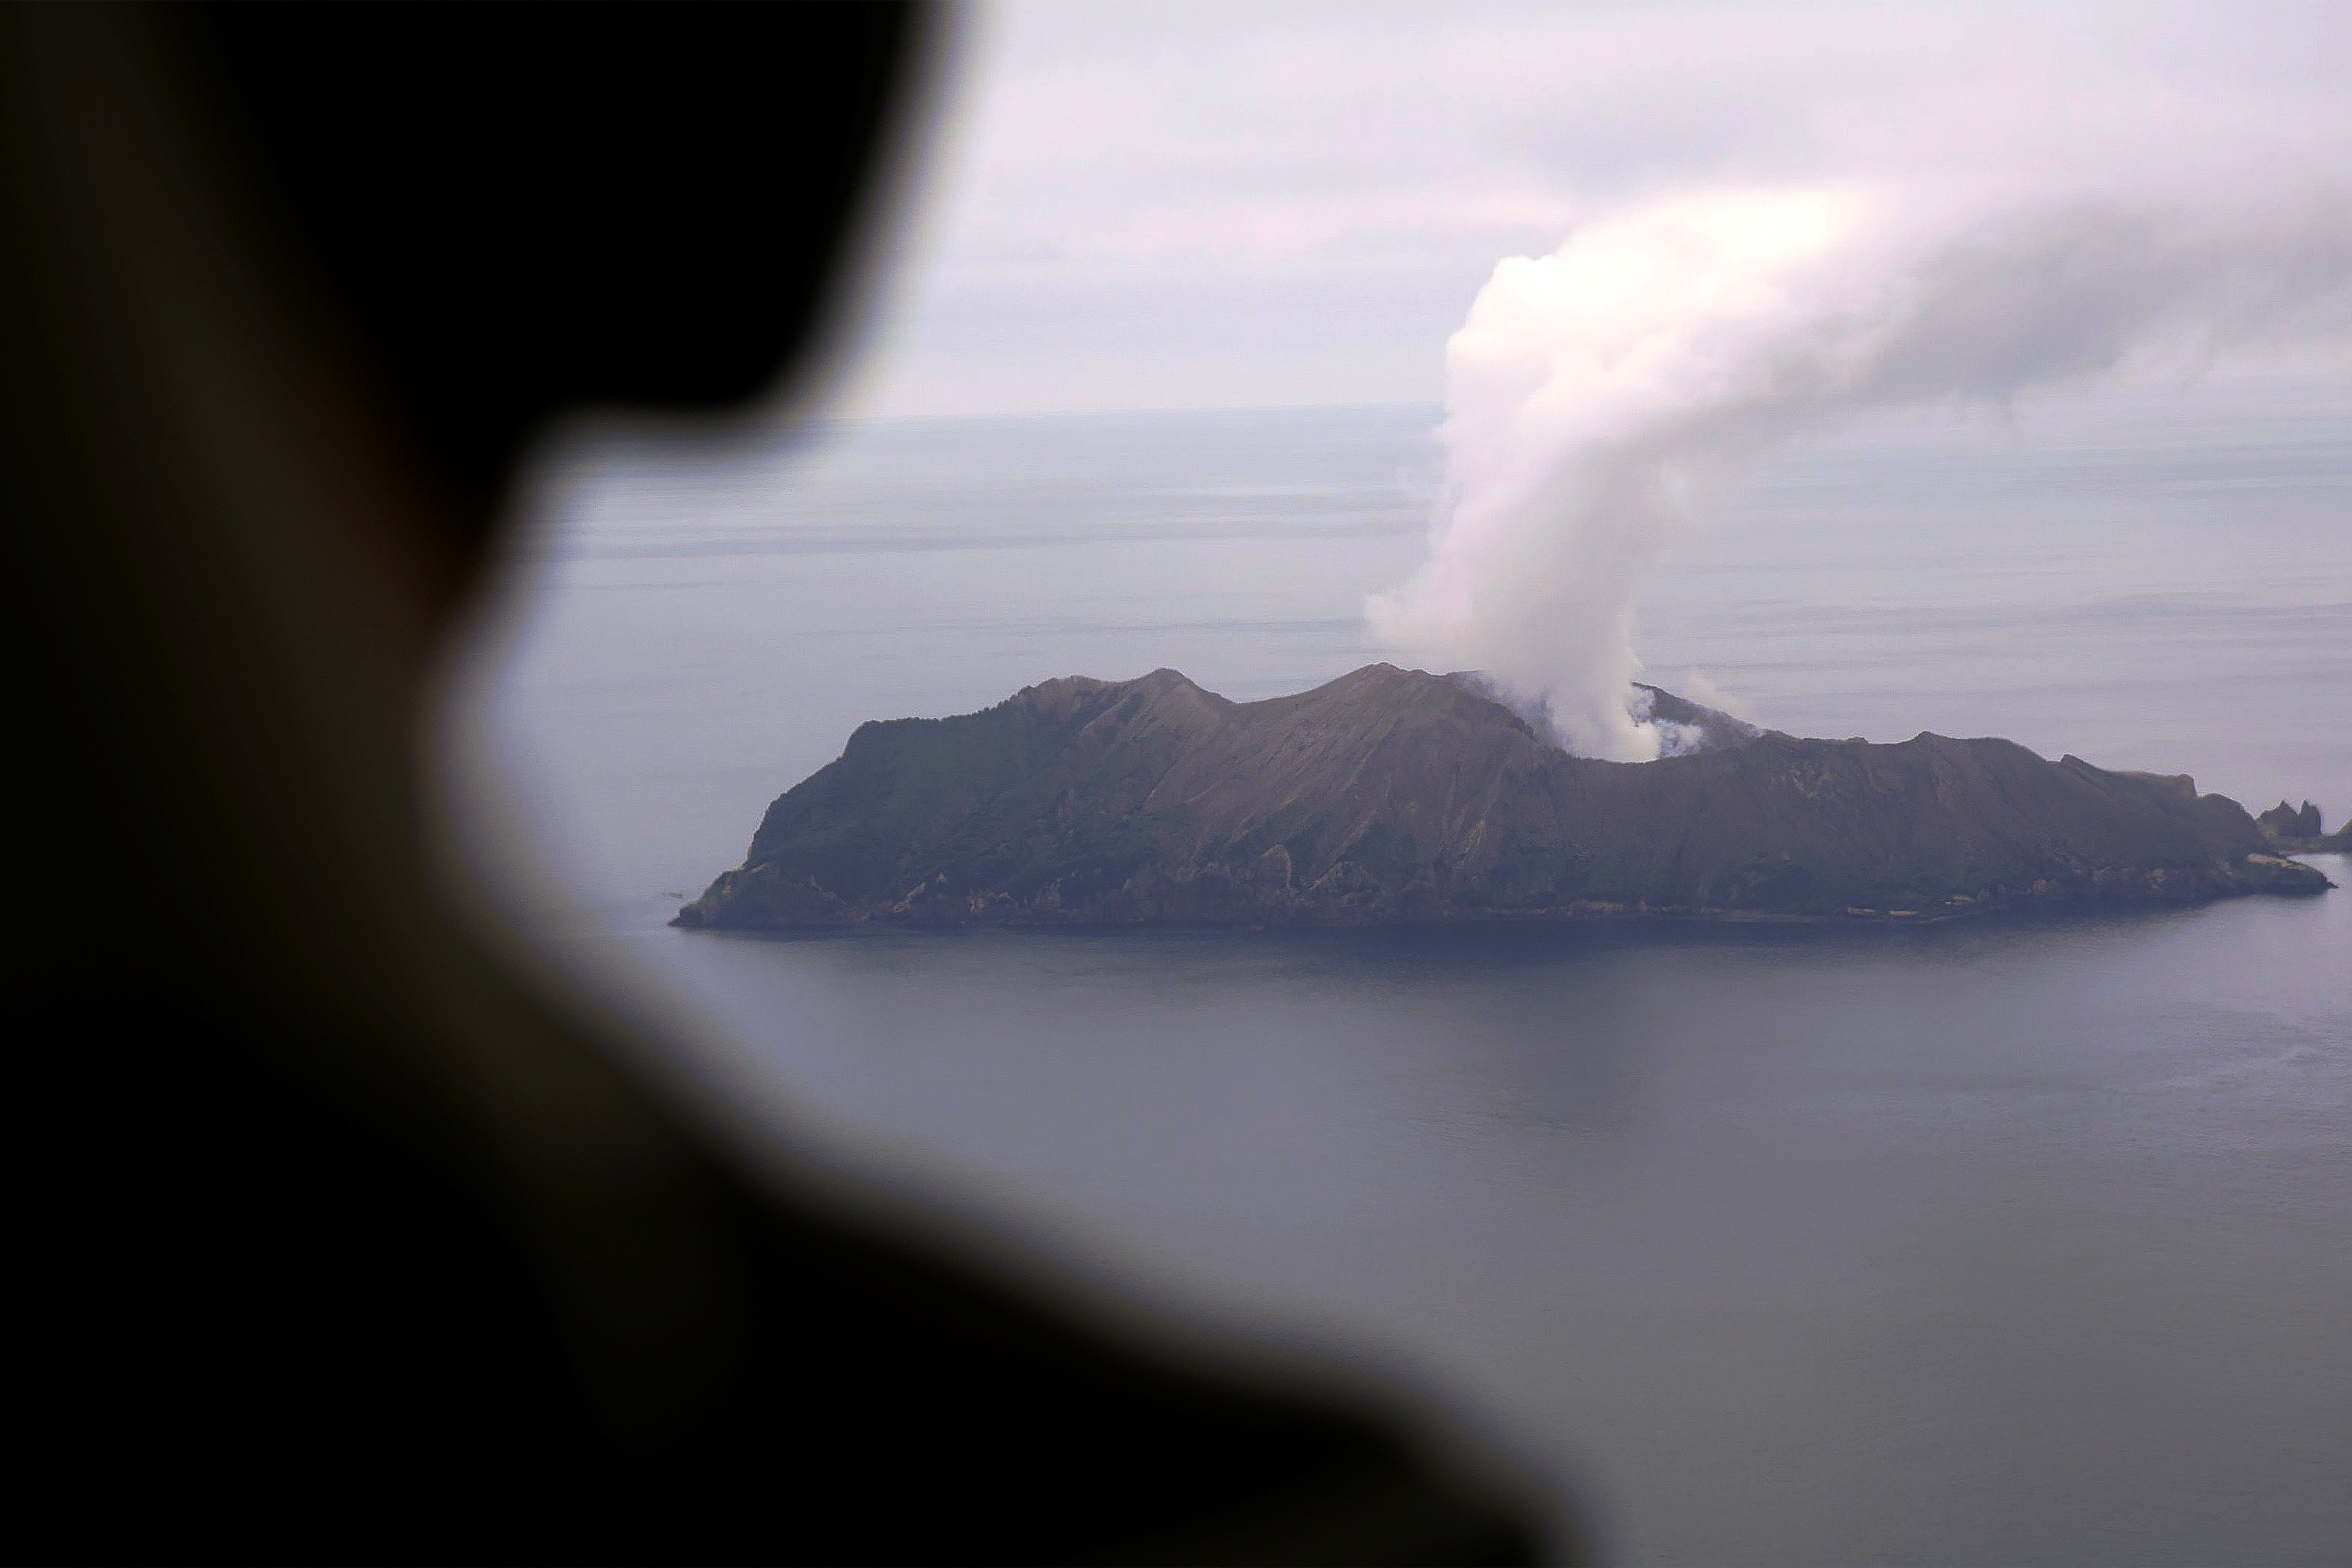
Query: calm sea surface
(2004, 1241)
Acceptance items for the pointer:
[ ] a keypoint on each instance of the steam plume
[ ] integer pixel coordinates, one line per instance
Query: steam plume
(1599, 396)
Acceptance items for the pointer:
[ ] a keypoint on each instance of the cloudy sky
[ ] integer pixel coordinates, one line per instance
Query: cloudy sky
(1197, 206)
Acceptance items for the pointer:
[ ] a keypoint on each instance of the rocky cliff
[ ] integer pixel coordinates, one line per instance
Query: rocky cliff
(1395, 796)
(2293, 832)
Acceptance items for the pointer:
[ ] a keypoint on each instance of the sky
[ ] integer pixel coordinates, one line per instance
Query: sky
(1139, 206)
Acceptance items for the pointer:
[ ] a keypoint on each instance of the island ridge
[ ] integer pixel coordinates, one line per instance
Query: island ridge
(1398, 797)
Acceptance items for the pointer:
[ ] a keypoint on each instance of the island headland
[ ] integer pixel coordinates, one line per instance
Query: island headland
(1398, 797)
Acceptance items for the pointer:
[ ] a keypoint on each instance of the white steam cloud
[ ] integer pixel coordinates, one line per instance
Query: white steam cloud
(1598, 396)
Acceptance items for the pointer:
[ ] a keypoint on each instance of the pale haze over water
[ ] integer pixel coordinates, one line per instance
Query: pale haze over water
(1994, 1241)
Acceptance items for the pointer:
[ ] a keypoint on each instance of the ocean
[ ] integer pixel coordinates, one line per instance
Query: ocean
(2004, 1240)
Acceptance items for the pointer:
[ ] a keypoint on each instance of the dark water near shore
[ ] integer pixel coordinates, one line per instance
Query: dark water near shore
(2001, 1241)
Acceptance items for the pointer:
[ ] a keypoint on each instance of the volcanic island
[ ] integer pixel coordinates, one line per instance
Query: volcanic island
(1396, 796)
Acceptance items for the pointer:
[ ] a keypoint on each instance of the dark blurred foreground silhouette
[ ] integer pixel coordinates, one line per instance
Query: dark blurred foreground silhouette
(334, 1239)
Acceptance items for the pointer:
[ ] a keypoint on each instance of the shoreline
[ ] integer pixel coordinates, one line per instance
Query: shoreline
(1594, 914)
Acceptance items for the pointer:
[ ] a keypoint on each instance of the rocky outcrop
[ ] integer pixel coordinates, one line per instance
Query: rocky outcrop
(1392, 796)
(2294, 832)
(2283, 821)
